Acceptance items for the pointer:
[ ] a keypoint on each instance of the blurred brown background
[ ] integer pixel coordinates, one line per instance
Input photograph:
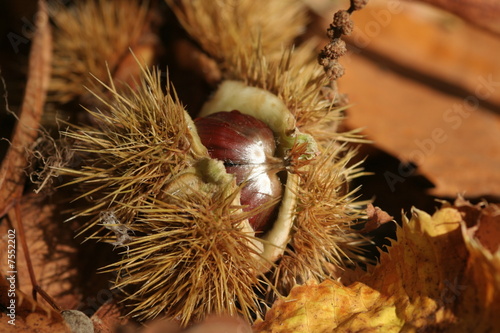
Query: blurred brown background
(425, 86)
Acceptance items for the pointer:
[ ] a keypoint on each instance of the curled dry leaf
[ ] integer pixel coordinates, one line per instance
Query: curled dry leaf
(441, 275)
(376, 217)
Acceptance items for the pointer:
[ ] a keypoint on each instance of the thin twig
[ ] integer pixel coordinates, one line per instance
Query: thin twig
(27, 257)
(22, 237)
(12, 176)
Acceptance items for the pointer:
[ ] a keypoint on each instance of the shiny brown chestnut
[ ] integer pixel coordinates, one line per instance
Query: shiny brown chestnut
(246, 146)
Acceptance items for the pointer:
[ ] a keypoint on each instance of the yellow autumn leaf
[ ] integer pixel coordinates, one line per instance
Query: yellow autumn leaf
(437, 276)
(324, 307)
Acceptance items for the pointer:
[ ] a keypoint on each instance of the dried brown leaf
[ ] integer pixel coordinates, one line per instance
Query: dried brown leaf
(484, 223)
(52, 248)
(108, 318)
(483, 13)
(28, 315)
(376, 217)
(436, 107)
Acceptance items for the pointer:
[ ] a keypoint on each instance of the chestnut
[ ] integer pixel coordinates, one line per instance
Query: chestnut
(247, 147)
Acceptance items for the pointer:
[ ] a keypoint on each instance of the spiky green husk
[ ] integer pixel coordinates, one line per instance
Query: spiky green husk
(89, 36)
(192, 260)
(143, 140)
(187, 252)
(326, 211)
(322, 236)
